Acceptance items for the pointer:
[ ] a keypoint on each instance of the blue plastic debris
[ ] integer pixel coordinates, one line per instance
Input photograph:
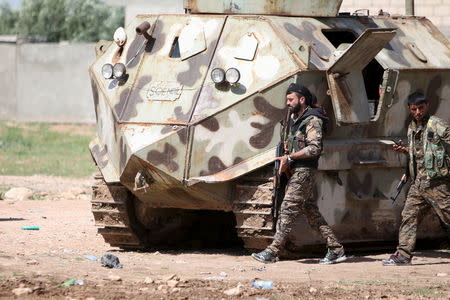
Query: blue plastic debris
(261, 284)
(30, 228)
(90, 257)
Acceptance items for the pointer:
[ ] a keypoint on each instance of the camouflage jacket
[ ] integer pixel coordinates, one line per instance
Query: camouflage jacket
(306, 133)
(429, 149)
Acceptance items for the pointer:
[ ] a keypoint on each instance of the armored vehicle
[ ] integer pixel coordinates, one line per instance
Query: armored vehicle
(188, 114)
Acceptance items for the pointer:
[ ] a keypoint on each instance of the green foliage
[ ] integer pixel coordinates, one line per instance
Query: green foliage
(8, 19)
(91, 20)
(43, 18)
(58, 20)
(424, 291)
(41, 149)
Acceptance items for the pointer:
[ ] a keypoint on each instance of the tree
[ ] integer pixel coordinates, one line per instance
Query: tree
(56, 20)
(91, 20)
(44, 18)
(8, 19)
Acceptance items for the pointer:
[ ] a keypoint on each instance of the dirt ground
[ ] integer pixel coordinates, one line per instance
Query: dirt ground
(37, 263)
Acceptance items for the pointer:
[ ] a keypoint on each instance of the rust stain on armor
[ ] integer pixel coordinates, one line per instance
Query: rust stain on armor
(165, 158)
(274, 114)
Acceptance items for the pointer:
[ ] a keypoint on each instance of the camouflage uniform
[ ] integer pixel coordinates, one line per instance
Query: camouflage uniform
(299, 196)
(429, 168)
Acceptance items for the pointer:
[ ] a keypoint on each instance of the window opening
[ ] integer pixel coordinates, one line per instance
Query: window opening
(372, 73)
(337, 37)
(175, 49)
(373, 79)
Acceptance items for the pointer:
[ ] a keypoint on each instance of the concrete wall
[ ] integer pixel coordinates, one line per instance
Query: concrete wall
(136, 7)
(46, 82)
(8, 103)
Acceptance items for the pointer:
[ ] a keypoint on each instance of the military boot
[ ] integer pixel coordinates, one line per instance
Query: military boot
(265, 256)
(333, 257)
(397, 259)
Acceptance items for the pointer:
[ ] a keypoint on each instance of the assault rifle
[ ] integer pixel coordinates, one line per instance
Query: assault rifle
(404, 178)
(280, 180)
(399, 187)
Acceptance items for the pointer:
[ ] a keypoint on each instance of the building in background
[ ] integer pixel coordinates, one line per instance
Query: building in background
(437, 11)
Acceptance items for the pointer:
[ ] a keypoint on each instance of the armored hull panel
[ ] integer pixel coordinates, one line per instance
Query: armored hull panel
(177, 140)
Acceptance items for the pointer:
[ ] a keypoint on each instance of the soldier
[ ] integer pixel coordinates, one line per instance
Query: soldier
(429, 161)
(305, 146)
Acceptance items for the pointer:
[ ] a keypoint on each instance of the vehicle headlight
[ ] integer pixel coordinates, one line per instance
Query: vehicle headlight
(107, 71)
(232, 75)
(119, 70)
(218, 75)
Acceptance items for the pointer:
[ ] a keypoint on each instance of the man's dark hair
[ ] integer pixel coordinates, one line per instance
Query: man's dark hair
(301, 90)
(417, 98)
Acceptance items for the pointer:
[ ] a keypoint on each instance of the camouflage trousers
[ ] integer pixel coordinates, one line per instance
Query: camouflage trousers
(299, 199)
(420, 196)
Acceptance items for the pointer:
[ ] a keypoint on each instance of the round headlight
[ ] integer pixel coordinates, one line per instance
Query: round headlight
(107, 71)
(119, 70)
(233, 75)
(218, 75)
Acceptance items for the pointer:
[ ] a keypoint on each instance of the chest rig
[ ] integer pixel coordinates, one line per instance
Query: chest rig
(436, 160)
(296, 141)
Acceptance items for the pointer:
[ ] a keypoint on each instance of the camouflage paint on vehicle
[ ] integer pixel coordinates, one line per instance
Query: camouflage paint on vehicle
(177, 140)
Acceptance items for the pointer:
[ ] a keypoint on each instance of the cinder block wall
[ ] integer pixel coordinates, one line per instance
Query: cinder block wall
(8, 103)
(46, 83)
(437, 11)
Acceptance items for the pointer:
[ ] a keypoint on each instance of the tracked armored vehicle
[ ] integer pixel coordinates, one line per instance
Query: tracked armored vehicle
(188, 114)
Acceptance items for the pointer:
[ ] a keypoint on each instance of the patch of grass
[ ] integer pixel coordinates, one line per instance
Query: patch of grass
(424, 292)
(37, 197)
(164, 268)
(40, 148)
(364, 282)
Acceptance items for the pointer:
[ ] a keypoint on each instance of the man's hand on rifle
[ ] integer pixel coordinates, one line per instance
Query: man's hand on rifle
(284, 164)
(398, 146)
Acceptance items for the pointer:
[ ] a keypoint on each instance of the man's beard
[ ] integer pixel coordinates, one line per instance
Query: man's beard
(296, 109)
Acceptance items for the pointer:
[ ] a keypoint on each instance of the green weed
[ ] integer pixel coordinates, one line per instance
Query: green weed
(364, 282)
(424, 291)
(39, 148)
